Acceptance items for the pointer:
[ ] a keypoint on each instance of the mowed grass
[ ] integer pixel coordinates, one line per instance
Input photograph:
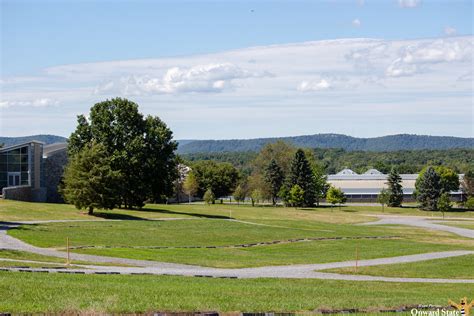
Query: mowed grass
(284, 254)
(58, 293)
(192, 232)
(461, 267)
(24, 211)
(123, 236)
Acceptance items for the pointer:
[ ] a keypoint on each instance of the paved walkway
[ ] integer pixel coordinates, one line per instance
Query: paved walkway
(305, 271)
(423, 222)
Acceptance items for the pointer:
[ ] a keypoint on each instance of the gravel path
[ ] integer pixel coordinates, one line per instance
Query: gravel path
(423, 222)
(306, 271)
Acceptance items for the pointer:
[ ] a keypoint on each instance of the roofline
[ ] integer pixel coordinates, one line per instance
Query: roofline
(21, 145)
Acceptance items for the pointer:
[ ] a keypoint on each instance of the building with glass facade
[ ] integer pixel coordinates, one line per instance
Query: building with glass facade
(23, 173)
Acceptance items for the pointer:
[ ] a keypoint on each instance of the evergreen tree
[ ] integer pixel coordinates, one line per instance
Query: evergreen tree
(395, 188)
(274, 179)
(89, 181)
(302, 175)
(428, 189)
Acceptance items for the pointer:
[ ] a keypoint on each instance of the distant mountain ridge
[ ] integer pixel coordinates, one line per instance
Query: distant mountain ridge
(47, 139)
(349, 143)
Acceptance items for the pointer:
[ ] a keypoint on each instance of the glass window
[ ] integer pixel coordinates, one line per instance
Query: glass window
(3, 167)
(15, 151)
(16, 167)
(3, 158)
(24, 176)
(24, 159)
(24, 150)
(14, 159)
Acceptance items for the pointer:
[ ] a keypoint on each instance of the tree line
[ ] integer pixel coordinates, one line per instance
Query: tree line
(121, 158)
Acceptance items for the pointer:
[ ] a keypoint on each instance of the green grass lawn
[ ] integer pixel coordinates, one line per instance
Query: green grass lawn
(30, 292)
(284, 254)
(192, 232)
(17, 211)
(453, 268)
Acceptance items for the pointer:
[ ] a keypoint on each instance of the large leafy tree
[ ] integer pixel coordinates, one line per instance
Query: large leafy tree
(221, 178)
(449, 179)
(302, 175)
(428, 189)
(395, 188)
(274, 178)
(89, 181)
(141, 149)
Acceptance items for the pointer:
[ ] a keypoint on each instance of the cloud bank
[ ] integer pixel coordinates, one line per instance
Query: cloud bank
(357, 79)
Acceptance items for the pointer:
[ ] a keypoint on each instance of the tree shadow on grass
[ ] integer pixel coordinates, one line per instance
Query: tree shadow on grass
(161, 211)
(115, 216)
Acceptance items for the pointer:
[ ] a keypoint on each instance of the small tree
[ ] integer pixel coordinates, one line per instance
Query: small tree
(89, 181)
(274, 179)
(383, 198)
(302, 175)
(335, 196)
(395, 188)
(190, 185)
(469, 204)
(256, 196)
(239, 194)
(296, 196)
(444, 203)
(209, 197)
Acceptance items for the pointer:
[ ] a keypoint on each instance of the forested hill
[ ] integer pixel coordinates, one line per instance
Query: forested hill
(384, 143)
(47, 139)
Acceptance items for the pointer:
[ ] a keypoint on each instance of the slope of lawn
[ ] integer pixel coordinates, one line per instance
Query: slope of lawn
(190, 232)
(25, 211)
(284, 254)
(461, 267)
(35, 292)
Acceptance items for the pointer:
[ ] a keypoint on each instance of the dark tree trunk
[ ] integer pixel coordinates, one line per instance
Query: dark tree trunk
(91, 210)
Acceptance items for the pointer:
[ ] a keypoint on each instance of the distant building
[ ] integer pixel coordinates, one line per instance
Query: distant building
(367, 186)
(31, 171)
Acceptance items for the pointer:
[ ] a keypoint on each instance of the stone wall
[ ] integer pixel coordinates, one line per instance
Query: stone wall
(53, 168)
(19, 193)
(24, 193)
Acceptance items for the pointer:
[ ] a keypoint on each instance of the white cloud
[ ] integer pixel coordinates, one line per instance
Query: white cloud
(356, 23)
(450, 31)
(414, 59)
(37, 103)
(362, 76)
(199, 78)
(409, 3)
(318, 85)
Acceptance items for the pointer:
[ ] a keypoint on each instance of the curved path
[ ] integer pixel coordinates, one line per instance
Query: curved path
(303, 271)
(423, 222)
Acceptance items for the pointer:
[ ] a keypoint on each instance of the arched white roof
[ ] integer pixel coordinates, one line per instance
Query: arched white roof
(345, 172)
(373, 171)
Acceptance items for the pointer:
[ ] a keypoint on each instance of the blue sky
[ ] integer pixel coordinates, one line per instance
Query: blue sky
(60, 57)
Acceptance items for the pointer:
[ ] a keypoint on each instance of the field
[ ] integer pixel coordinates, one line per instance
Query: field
(231, 237)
